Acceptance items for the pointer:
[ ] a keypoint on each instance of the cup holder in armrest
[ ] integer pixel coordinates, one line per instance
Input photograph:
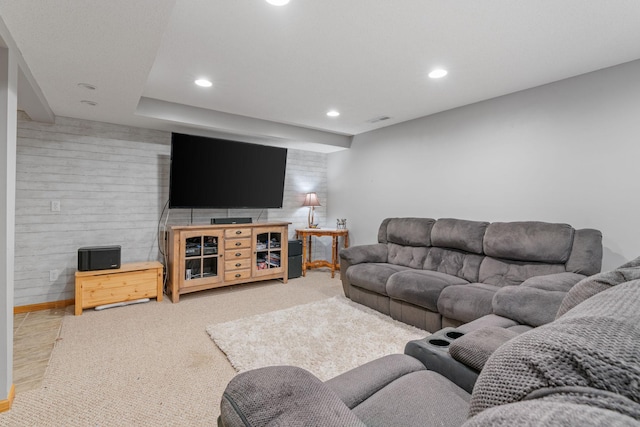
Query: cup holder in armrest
(444, 337)
(454, 334)
(433, 352)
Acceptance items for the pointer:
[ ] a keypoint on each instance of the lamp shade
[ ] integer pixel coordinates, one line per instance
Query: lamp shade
(311, 199)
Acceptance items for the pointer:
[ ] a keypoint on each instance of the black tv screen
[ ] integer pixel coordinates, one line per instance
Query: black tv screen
(217, 173)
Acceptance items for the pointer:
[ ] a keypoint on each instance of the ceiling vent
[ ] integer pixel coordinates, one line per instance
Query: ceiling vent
(378, 119)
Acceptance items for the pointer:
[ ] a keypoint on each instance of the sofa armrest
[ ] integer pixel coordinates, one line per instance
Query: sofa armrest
(474, 348)
(357, 255)
(527, 305)
(433, 352)
(535, 301)
(365, 253)
(282, 395)
(561, 282)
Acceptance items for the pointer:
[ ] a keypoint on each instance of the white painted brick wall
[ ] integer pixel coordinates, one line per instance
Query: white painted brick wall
(112, 183)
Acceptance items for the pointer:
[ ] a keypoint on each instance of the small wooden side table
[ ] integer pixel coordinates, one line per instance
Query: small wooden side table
(305, 235)
(129, 282)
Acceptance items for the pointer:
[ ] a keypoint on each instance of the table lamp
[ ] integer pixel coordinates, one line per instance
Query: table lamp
(311, 200)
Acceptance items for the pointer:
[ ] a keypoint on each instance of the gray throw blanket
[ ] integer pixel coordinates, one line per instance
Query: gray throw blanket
(592, 285)
(590, 356)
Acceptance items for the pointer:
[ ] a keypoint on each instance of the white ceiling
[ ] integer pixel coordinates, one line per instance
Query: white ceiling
(276, 71)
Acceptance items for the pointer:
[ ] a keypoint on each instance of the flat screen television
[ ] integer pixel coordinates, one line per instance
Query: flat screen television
(210, 173)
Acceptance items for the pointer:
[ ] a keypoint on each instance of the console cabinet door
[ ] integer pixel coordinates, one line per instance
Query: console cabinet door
(201, 258)
(270, 251)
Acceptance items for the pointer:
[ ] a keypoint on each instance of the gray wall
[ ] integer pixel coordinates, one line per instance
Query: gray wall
(564, 152)
(112, 183)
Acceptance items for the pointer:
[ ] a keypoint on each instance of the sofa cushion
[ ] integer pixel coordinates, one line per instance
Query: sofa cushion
(530, 241)
(466, 302)
(595, 345)
(409, 256)
(420, 287)
(406, 231)
(459, 234)
(373, 276)
(417, 399)
(454, 262)
(502, 273)
(356, 385)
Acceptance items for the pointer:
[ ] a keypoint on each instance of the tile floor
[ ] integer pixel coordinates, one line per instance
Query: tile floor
(34, 335)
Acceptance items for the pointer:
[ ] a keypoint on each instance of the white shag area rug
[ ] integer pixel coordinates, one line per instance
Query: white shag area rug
(326, 337)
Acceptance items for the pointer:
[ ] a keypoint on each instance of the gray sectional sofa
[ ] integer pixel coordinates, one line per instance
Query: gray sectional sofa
(443, 273)
(582, 369)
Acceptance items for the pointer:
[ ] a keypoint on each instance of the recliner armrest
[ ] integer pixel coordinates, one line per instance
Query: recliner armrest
(433, 352)
(365, 253)
(535, 301)
(526, 305)
(474, 348)
(282, 395)
(561, 282)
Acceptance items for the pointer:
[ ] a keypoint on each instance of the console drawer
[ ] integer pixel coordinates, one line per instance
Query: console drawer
(237, 232)
(231, 254)
(237, 264)
(237, 275)
(237, 243)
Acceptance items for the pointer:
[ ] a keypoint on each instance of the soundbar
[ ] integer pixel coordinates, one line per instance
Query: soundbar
(237, 220)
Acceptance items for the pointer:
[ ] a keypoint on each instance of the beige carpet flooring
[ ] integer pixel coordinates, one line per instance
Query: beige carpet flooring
(151, 364)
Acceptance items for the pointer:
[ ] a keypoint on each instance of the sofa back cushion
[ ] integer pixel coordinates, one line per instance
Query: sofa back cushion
(406, 231)
(408, 256)
(530, 241)
(459, 234)
(457, 263)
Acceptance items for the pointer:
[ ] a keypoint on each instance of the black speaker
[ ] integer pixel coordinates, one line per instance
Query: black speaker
(295, 267)
(295, 259)
(295, 247)
(98, 258)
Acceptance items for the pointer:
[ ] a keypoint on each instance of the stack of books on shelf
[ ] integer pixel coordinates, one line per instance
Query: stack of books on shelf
(273, 259)
(274, 243)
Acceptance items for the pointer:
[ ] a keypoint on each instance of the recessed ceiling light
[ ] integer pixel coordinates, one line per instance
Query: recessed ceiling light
(438, 73)
(203, 83)
(333, 113)
(91, 103)
(278, 2)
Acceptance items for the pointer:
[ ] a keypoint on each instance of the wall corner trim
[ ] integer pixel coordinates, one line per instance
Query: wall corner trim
(5, 405)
